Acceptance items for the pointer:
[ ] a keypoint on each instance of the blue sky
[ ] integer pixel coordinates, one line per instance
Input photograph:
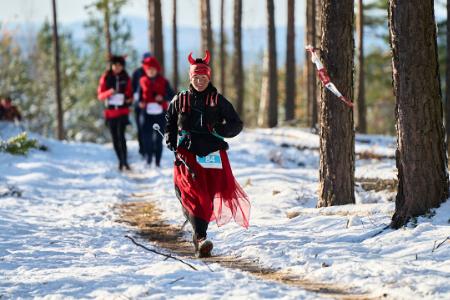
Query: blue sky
(69, 11)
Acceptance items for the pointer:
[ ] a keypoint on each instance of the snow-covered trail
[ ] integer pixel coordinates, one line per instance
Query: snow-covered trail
(60, 238)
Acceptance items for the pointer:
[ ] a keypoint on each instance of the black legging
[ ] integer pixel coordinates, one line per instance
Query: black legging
(200, 226)
(117, 128)
(139, 118)
(153, 140)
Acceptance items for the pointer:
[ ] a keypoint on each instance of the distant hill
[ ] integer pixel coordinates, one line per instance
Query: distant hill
(254, 40)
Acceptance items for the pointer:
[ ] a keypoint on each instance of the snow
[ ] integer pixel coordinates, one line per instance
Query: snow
(59, 237)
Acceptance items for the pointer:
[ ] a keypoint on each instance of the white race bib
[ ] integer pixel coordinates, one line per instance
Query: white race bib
(210, 161)
(116, 99)
(154, 109)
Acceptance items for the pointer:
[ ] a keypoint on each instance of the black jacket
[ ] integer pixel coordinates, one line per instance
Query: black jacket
(198, 121)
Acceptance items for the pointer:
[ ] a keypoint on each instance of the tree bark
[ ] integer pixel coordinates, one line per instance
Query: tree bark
(447, 82)
(222, 48)
(106, 28)
(238, 68)
(155, 31)
(337, 137)
(207, 38)
(421, 151)
(316, 88)
(175, 46)
(289, 104)
(273, 74)
(361, 101)
(264, 100)
(59, 108)
(311, 80)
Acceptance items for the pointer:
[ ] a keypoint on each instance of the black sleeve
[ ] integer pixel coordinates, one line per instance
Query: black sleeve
(135, 80)
(230, 124)
(171, 133)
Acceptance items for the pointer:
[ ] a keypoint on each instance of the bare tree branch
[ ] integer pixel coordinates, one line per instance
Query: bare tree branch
(167, 256)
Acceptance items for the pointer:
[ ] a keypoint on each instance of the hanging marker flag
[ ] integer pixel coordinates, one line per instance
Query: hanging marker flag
(323, 76)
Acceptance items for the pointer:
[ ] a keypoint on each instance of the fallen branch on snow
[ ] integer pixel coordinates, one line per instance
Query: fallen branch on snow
(167, 256)
(440, 244)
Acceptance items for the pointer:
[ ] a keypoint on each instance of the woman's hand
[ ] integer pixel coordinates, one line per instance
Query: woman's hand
(129, 101)
(159, 98)
(142, 105)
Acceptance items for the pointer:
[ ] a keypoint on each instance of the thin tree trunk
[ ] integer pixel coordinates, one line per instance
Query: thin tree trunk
(155, 30)
(447, 81)
(264, 100)
(238, 68)
(318, 41)
(222, 48)
(175, 46)
(59, 108)
(273, 74)
(289, 104)
(207, 38)
(106, 28)
(337, 138)
(421, 151)
(361, 101)
(311, 80)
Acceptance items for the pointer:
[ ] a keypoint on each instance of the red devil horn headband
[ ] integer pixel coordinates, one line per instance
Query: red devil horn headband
(191, 60)
(205, 59)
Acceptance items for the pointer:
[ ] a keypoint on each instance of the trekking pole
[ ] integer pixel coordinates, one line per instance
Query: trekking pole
(157, 128)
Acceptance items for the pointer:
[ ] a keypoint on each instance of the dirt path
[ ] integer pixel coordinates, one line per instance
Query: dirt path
(149, 223)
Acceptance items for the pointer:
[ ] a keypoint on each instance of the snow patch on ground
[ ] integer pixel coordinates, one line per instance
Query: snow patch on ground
(59, 238)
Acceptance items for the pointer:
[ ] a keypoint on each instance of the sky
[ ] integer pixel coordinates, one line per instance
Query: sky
(69, 11)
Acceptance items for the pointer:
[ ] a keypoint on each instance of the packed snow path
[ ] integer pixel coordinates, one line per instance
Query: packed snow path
(59, 236)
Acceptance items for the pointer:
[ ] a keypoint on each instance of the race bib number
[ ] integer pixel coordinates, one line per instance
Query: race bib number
(154, 109)
(116, 99)
(210, 161)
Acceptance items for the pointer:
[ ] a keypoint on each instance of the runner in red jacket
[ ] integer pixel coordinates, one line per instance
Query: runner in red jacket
(115, 91)
(156, 94)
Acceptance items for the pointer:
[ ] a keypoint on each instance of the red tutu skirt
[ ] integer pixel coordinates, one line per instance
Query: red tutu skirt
(214, 194)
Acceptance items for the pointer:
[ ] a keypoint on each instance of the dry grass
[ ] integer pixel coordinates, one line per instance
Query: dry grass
(147, 219)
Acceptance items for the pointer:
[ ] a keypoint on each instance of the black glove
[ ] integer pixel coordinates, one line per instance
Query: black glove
(171, 142)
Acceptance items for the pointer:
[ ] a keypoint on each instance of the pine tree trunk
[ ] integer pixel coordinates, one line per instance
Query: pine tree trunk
(237, 64)
(155, 30)
(264, 100)
(59, 108)
(316, 88)
(337, 137)
(207, 38)
(289, 104)
(222, 48)
(361, 101)
(175, 46)
(421, 151)
(273, 74)
(311, 80)
(447, 81)
(106, 28)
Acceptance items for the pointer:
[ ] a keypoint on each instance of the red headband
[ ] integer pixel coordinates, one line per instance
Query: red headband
(200, 66)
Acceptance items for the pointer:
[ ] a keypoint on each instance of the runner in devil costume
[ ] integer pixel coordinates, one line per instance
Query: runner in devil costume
(198, 120)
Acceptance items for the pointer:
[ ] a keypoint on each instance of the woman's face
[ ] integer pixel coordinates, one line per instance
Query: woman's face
(151, 72)
(200, 82)
(117, 68)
